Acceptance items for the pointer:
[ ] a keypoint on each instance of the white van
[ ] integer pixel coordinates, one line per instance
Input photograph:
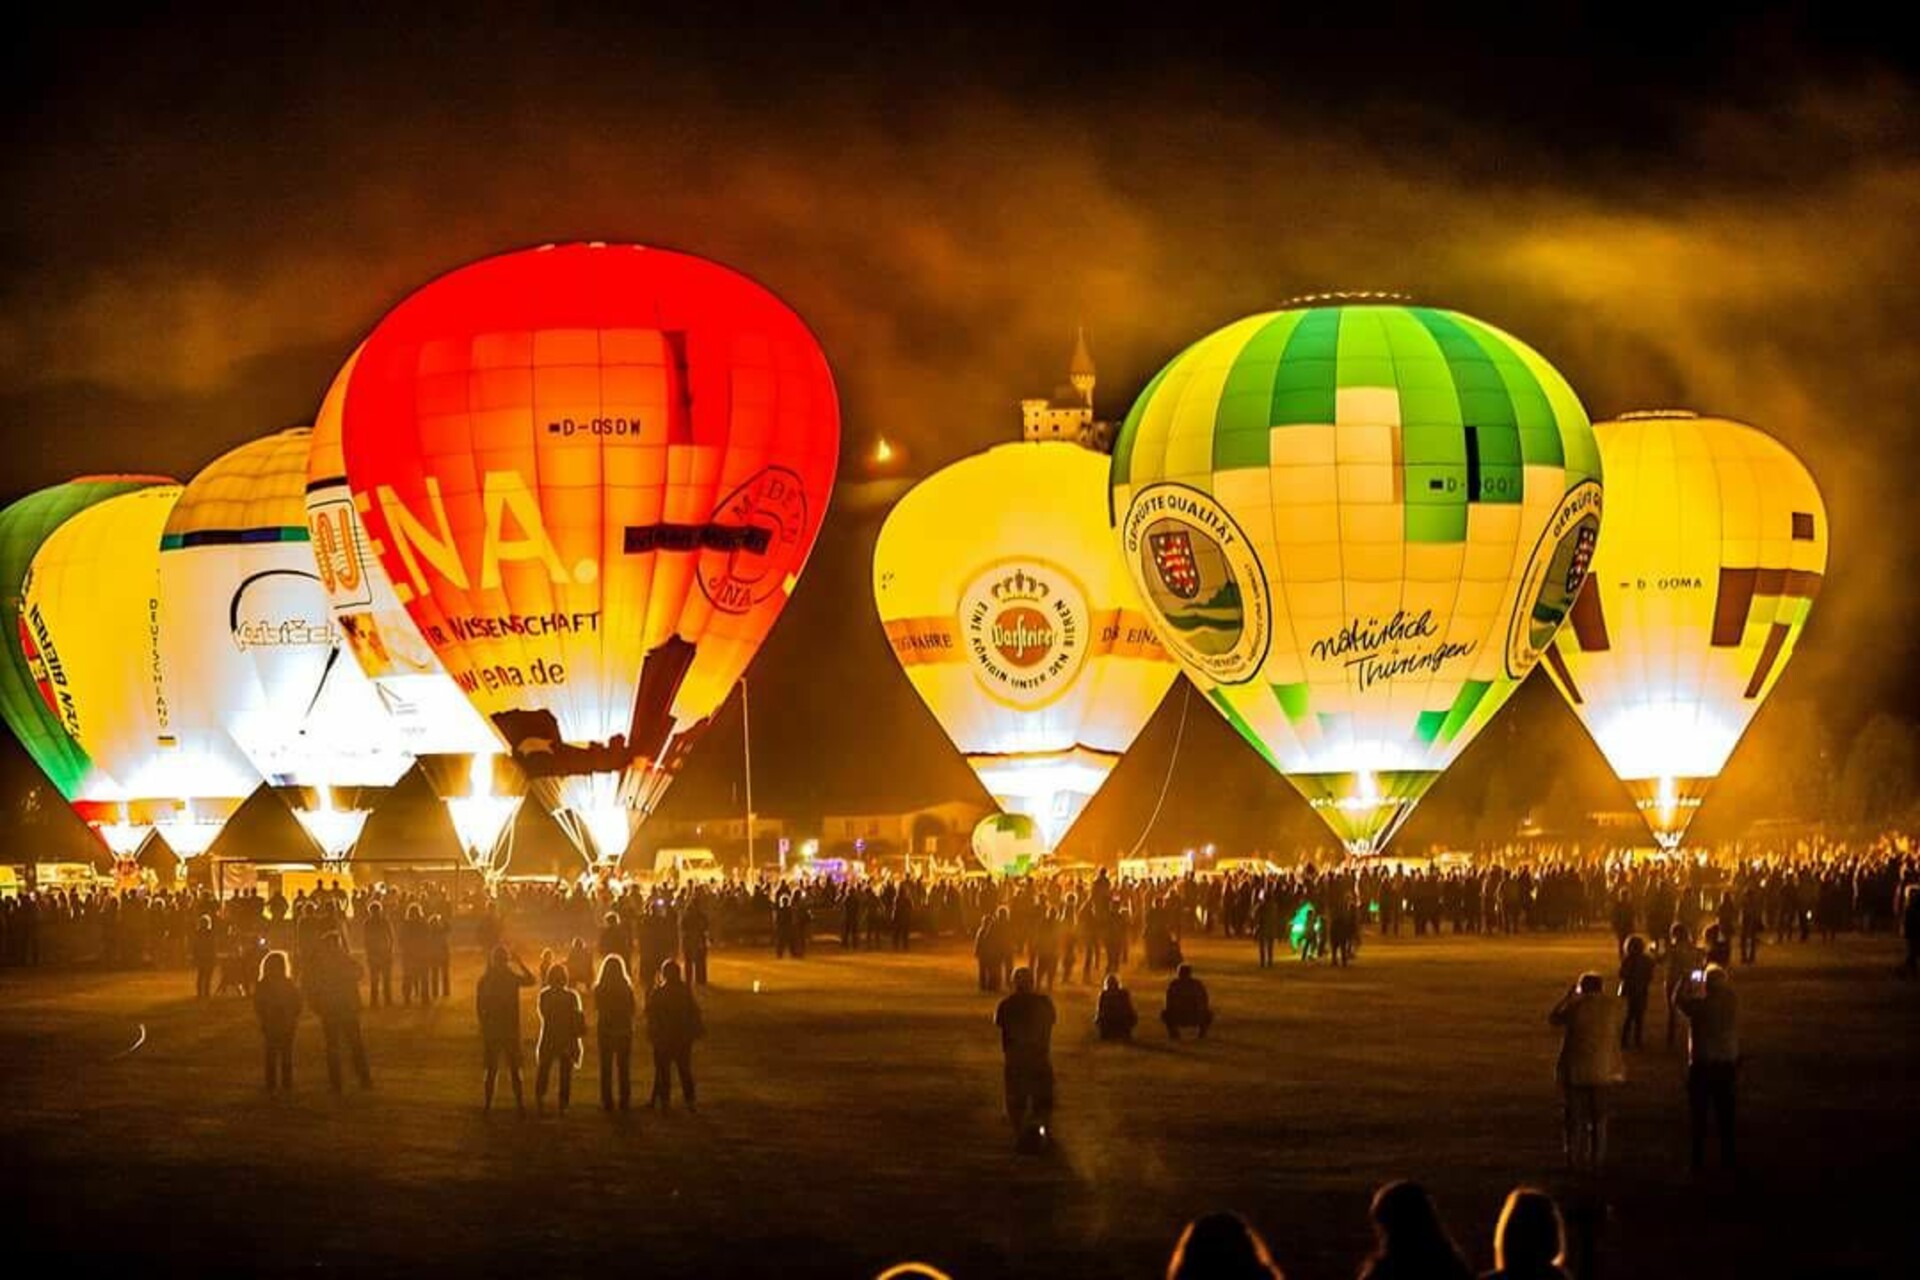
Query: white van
(688, 866)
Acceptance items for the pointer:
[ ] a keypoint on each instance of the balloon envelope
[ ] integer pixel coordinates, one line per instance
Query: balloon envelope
(92, 606)
(1019, 627)
(457, 750)
(593, 474)
(1715, 548)
(25, 526)
(1357, 527)
(248, 636)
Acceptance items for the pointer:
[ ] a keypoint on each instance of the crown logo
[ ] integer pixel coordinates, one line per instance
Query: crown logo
(1019, 585)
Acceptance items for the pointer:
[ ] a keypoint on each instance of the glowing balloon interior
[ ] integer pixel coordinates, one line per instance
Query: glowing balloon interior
(593, 475)
(91, 605)
(1019, 627)
(249, 636)
(1357, 527)
(1715, 549)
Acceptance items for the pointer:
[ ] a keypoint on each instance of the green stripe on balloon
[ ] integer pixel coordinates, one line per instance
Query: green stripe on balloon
(1304, 385)
(1463, 708)
(1218, 697)
(1293, 700)
(1243, 422)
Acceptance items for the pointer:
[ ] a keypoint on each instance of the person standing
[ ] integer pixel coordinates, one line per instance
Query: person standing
(1025, 1019)
(1713, 1060)
(1637, 969)
(276, 1003)
(414, 959)
(613, 1009)
(206, 957)
(673, 1024)
(1910, 930)
(376, 937)
(1589, 1065)
(333, 989)
(496, 1002)
(563, 1024)
(439, 958)
(1682, 959)
(695, 938)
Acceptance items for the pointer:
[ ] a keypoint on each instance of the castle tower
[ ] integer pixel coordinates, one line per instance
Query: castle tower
(1080, 367)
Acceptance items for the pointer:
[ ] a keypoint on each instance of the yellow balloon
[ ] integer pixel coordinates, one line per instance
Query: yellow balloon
(1714, 548)
(1009, 608)
(91, 605)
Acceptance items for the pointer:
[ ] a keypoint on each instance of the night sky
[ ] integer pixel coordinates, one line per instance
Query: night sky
(203, 216)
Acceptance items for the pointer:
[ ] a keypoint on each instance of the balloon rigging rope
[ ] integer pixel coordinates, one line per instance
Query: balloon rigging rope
(1179, 733)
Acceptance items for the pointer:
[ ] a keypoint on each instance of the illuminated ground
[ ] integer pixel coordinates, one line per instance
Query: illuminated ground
(849, 1120)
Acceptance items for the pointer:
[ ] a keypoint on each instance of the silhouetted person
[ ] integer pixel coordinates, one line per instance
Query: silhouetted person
(1713, 1060)
(1410, 1241)
(1637, 970)
(579, 963)
(376, 937)
(1910, 930)
(1589, 1065)
(415, 946)
(673, 1024)
(496, 1001)
(1530, 1242)
(613, 1009)
(205, 946)
(1114, 1016)
(695, 940)
(562, 1025)
(1187, 1004)
(1683, 957)
(1221, 1246)
(276, 1003)
(1025, 1019)
(333, 989)
(439, 958)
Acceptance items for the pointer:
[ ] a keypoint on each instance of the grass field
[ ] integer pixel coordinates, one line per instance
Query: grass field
(849, 1119)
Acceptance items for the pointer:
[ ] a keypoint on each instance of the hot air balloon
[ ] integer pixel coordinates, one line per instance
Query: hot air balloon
(92, 613)
(246, 634)
(30, 708)
(1715, 548)
(1357, 526)
(458, 752)
(1019, 627)
(593, 474)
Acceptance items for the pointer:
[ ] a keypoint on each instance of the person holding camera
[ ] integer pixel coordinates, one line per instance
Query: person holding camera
(1590, 1063)
(1713, 1058)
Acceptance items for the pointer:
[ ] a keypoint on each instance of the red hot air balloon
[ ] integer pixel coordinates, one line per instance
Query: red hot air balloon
(593, 474)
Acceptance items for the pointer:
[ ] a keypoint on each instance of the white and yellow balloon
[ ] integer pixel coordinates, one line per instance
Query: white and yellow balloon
(247, 634)
(1018, 626)
(1715, 548)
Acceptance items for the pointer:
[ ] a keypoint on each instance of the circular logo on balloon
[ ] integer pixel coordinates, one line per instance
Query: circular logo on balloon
(1199, 575)
(1023, 624)
(1553, 577)
(755, 542)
